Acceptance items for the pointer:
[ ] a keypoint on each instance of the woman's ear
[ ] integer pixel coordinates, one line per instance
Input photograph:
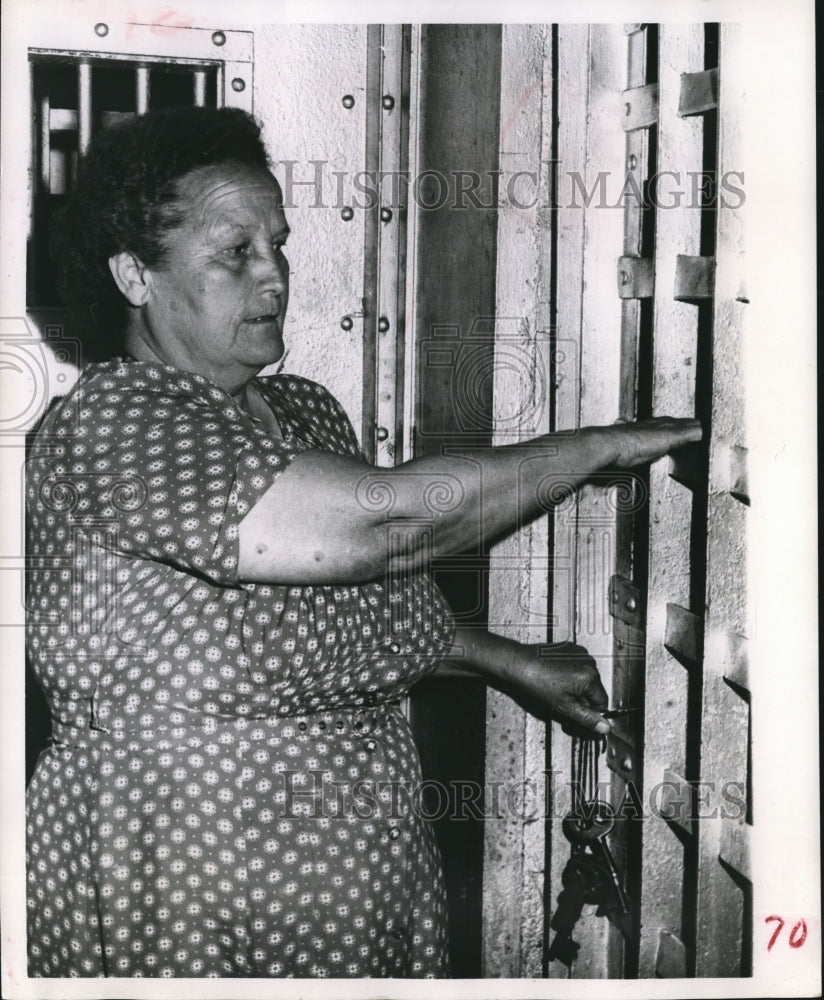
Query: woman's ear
(131, 276)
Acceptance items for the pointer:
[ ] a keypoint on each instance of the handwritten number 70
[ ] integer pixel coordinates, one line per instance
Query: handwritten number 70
(798, 935)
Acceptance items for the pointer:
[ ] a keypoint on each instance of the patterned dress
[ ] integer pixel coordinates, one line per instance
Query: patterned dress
(230, 789)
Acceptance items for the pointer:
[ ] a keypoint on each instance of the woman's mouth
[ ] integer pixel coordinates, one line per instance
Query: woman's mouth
(265, 318)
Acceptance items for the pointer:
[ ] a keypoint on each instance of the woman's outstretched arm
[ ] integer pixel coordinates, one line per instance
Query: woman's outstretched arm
(324, 520)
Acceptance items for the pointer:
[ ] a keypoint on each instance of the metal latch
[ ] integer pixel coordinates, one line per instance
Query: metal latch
(694, 278)
(688, 465)
(640, 107)
(626, 602)
(684, 635)
(636, 277)
(699, 92)
(622, 758)
(671, 958)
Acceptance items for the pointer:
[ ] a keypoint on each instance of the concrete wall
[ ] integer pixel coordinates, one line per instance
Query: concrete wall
(302, 72)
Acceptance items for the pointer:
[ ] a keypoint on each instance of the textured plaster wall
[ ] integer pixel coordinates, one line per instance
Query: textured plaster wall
(302, 72)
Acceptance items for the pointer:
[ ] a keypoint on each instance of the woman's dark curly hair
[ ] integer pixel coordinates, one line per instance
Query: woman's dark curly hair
(125, 199)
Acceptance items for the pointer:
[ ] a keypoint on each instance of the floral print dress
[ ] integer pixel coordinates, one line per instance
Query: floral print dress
(230, 785)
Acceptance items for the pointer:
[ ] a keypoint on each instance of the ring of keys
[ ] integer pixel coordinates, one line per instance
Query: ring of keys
(590, 875)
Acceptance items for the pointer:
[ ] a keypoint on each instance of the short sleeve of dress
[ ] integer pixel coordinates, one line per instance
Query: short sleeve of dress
(167, 460)
(309, 411)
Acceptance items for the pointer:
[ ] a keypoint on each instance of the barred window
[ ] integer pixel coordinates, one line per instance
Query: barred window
(130, 69)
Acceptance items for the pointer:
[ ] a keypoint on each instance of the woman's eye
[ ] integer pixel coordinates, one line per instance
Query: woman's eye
(240, 250)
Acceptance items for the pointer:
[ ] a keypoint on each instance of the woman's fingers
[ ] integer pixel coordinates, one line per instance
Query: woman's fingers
(647, 440)
(561, 682)
(584, 701)
(580, 720)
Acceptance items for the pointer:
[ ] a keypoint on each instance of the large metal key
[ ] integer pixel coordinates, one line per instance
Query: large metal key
(587, 827)
(585, 880)
(569, 906)
(567, 912)
(591, 821)
(617, 898)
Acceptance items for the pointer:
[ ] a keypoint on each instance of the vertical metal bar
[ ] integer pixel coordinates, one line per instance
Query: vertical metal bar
(411, 336)
(390, 249)
(400, 207)
(143, 89)
(573, 57)
(34, 174)
(668, 861)
(631, 520)
(199, 87)
(374, 73)
(636, 167)
(515, 846)
(724, 915)
(588, 382)
(220, 96)
(45, 143)
(463, 80)
(84, 105)
(599, 387)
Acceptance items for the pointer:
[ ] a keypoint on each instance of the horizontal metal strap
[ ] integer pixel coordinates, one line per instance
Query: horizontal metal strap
(622, 758)
(734, 849)
(626, 602)
(676, 801)
(739, 480)
(636, 277)
(737, 667)
(694, 278)
(699, 93)
(684, 635)
(640, 107)
(688, 466)
(671, 957)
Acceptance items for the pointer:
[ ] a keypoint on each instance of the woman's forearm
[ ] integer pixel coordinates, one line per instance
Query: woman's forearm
(486, 654)
(475, 497)
(558, 681)
(325, 519)
(478, 496)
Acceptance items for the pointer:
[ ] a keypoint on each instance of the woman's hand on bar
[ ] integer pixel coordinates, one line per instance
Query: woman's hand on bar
(550, 680)
(647, 440)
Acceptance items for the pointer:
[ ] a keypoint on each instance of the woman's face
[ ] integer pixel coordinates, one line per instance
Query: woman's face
(218, 301)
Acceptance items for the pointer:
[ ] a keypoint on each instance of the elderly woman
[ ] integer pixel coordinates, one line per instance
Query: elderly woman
(215, 618)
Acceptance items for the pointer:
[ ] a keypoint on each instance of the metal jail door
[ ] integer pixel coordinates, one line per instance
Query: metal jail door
(676, 595)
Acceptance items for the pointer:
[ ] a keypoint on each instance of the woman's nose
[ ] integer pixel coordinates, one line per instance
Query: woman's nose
(272, 269)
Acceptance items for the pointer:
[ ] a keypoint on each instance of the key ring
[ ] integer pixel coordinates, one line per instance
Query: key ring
(586, 754)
